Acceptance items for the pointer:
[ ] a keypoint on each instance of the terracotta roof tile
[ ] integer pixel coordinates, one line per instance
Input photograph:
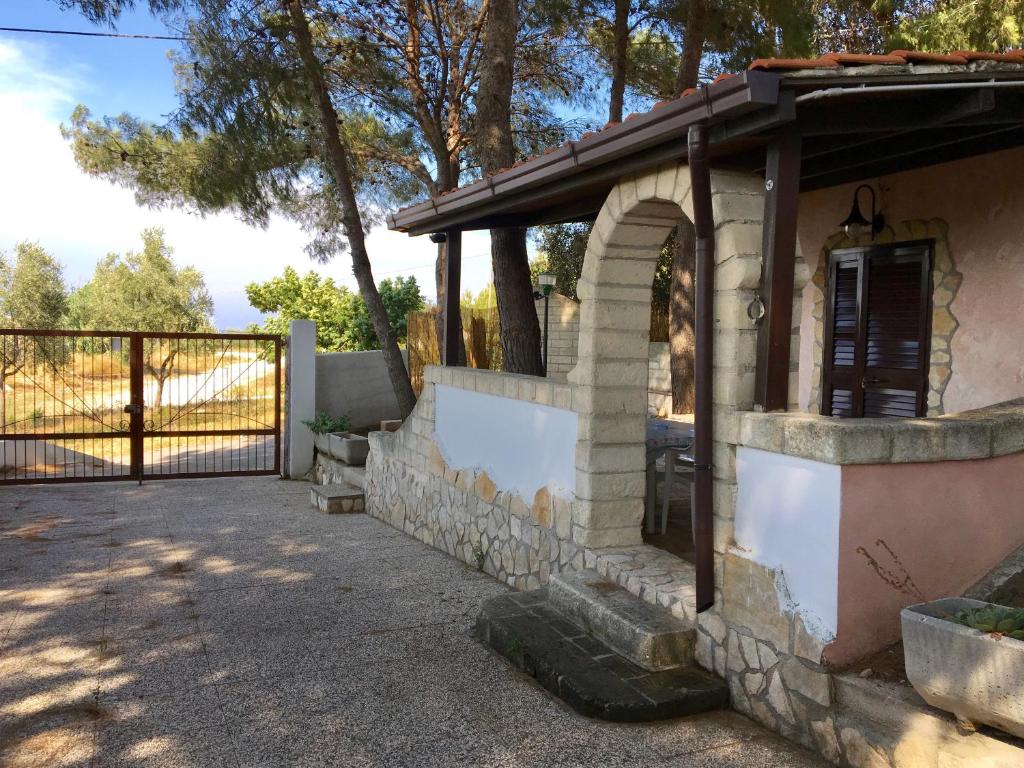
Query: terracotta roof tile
(920, 57)
(821, 63)
(724, 76)
(853, 59)
(1014, 57)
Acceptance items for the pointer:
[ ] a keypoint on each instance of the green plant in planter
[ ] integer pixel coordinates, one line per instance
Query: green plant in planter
(994, 619)
(323, 424)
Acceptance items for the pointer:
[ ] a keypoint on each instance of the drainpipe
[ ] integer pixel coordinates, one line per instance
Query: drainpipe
(704, 225)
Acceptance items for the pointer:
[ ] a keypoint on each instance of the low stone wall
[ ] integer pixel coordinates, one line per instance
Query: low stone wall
(460, 510)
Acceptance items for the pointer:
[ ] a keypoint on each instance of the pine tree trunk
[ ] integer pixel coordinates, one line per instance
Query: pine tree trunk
(620, 50)
(517, 311)
(517, 314)
(695, 34)
(351, 218)
(681, 319)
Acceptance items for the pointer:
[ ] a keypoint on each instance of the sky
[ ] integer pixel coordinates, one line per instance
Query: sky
(45, 198)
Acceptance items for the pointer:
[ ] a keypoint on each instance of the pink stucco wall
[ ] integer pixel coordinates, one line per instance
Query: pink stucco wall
(982, 201)
(913, 532)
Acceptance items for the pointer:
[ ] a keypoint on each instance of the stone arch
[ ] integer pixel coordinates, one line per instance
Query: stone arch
(946, 280)
(610, 376)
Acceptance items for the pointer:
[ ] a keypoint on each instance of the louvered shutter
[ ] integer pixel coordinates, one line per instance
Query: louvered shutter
(877, 332)
(844, 324)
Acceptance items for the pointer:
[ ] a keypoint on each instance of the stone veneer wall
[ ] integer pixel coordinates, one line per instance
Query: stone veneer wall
(946, 282)
(459, 509)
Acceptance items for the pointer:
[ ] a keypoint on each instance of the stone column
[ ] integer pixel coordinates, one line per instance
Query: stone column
(301, 398)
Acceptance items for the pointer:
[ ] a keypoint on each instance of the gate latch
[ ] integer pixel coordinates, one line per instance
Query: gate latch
(133, 408)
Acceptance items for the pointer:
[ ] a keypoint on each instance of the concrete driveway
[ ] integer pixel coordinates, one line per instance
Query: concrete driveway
(223, 622)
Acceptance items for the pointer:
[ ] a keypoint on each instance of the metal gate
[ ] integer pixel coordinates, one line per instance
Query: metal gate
(115, 405)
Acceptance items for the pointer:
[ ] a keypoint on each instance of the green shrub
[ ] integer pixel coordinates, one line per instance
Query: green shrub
(324, 424)
(995, 619)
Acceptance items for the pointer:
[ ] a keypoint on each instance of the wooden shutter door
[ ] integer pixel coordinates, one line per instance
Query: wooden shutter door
(877, 333)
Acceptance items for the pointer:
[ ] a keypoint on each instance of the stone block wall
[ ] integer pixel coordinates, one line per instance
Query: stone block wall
(563, 352)
(659, 379)
(563, 334)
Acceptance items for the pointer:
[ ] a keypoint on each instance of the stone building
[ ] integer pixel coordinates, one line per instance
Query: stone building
(860, 421)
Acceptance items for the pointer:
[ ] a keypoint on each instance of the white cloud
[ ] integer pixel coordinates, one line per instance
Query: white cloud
(44, 197)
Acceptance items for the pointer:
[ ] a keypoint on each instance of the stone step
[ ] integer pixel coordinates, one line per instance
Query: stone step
(895, 714)
(354, 476)
(647, 635)
(337, 499)
(586, 673)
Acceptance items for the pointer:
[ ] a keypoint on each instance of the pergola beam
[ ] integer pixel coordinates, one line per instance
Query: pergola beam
(452, 296)
(907, 153)
(896, 115)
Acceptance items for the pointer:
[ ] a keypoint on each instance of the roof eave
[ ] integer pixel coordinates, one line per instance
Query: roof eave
(728, 97)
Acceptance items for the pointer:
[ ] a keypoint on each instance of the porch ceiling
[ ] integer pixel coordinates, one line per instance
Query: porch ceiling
(854, 122)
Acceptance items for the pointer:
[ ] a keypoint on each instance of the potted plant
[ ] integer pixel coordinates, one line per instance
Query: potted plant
(967, 657)
(323, 426)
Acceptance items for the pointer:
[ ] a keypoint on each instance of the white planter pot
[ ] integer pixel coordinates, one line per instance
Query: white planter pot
(351, 449)
(975, 675)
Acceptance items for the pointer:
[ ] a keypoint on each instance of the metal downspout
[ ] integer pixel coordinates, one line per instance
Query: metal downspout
(704, 226)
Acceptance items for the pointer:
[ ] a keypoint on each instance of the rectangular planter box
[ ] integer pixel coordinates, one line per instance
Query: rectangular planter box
(322, 443)
(351, 449)
(975, 675)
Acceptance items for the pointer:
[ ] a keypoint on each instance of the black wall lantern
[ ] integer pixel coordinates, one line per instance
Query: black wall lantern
(855, 224)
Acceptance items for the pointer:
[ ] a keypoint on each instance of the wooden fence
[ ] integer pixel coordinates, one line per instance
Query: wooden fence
(479, 334)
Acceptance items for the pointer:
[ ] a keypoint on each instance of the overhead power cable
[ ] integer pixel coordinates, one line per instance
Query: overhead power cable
(183, 39)
(89, 34)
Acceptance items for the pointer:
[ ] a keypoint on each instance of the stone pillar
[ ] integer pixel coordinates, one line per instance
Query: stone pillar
(301, 398)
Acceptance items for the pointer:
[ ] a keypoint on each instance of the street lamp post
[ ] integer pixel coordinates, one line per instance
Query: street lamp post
(545, 285)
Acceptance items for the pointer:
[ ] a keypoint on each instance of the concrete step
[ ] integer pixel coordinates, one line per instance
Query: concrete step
(647, 635)
(586, 673)
(337, 499)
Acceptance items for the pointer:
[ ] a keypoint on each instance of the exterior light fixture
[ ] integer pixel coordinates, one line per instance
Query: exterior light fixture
(545, 284)
(543, 289)
(438, 237)
(855, 224)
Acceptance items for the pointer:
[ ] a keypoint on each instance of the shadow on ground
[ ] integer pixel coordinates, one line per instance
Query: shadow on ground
(223, 622)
